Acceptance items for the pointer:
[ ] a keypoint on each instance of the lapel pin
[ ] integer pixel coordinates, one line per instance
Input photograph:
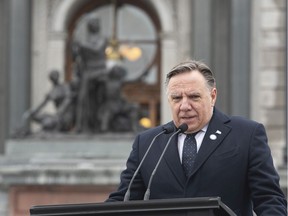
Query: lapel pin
(218, 132)
(213, 137)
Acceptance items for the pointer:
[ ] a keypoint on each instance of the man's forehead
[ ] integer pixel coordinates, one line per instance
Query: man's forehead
(188, 91)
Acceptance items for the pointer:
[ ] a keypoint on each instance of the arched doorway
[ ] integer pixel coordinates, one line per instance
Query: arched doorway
(132, 29)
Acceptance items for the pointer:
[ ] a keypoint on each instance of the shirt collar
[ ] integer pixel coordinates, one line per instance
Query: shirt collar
(204, 129)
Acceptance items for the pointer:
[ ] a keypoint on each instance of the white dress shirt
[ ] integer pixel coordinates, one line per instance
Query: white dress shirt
(199, 138)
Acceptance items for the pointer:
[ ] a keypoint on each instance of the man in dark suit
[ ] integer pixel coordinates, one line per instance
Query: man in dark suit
(233, 160)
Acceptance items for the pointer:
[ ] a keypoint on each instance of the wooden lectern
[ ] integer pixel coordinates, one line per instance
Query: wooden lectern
(204, 206)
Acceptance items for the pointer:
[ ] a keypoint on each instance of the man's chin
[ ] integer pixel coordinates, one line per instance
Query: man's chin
(191, 127)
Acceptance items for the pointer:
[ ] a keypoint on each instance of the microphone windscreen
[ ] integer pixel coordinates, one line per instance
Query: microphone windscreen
(168, 128)
(183, 127)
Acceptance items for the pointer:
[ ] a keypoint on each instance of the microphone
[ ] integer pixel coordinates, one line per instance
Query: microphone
(168, 128)
(182, 128)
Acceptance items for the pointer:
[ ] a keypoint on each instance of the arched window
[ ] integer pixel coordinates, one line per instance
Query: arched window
(132, 30)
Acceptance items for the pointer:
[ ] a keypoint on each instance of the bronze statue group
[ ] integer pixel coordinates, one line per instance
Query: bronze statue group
(91, 102)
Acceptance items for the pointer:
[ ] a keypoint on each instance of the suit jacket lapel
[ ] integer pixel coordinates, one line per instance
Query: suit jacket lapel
(216, 132)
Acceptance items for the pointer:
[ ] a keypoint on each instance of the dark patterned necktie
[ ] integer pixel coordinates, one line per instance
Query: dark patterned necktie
(189, 153)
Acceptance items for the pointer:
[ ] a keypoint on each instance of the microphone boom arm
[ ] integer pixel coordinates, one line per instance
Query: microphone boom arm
(166, 129)
(182, 128)
(147, 193)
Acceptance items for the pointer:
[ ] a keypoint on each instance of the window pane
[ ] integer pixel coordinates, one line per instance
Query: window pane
(134, 24)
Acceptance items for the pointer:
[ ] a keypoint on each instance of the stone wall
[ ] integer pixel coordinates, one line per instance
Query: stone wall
(272, 74)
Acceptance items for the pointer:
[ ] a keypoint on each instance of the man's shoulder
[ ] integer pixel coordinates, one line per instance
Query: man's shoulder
(243, 120)
(235, 118)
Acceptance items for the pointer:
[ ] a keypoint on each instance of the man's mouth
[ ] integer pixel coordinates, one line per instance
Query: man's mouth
(186, 116)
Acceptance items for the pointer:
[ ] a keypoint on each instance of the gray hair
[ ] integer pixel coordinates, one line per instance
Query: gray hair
(189, 66)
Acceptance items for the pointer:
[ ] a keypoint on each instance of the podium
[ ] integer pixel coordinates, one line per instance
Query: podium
(204, 206)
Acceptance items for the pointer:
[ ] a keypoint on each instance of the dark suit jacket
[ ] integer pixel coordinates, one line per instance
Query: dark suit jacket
(236, 166)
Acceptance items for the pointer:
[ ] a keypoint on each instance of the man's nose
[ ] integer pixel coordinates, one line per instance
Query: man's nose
(185, 105)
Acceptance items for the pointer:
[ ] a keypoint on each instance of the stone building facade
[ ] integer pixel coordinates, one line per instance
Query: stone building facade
(243, 41)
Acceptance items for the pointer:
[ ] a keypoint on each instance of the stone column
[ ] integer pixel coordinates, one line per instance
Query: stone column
(3, 72)
(18, 60)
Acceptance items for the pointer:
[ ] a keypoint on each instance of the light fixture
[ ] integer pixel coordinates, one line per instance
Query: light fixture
(145, 122)
(132, 53)
(112, 51)
(117, 52)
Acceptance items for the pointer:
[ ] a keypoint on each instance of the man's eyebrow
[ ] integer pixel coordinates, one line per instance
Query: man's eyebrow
(194, 93)
(175, 94)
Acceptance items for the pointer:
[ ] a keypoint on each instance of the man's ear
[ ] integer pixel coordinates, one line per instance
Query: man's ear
(213, 96)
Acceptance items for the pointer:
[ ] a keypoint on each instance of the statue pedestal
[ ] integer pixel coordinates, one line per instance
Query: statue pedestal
(100, 157)
(62, 168)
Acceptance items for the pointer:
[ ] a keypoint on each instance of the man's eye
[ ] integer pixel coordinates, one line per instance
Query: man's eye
(195, 97)
(176, 98)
